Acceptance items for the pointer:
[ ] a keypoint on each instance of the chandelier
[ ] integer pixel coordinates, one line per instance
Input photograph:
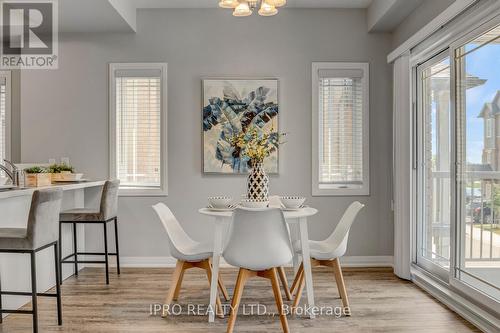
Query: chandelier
(246, 7)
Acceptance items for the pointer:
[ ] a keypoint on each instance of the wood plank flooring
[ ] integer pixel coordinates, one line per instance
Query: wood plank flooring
(380, 302)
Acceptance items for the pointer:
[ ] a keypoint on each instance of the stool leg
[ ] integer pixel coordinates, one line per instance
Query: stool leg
(106, 251)
(58, 283)
(34, 304)
(75, 246)
(59, 263)
(117, 249)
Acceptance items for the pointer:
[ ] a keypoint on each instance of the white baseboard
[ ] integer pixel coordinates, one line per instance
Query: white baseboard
(367, 261)
(153, 262)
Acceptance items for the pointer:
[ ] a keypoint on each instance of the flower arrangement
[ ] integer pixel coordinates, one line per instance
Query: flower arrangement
(256, 145)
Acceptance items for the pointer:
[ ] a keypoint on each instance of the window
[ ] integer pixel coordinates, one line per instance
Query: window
(477, 85)
(138, 139)
(456, 171)
(4, 115)
(340, 129)
(434, 182)
(489, 127)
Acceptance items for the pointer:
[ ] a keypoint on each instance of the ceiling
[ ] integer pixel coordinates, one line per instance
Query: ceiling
(89, 16)
(213, 3)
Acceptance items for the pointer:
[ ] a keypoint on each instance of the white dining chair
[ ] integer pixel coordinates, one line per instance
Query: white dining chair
(258, 244)
(189, 254)
(275, 202)
(327, 253)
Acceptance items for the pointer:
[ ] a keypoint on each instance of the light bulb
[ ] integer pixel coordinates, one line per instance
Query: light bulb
(242, 9)
(267, 9)
(228, 3)
(277, 3)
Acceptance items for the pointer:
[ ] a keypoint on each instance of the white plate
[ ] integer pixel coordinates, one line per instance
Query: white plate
(285, 209)
(225, 209)
(71, 181)
(6, 187)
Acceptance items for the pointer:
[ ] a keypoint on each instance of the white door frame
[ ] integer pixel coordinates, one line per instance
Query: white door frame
(8, 113)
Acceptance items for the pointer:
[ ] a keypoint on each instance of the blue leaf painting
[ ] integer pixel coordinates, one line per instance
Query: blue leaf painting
(233, 106)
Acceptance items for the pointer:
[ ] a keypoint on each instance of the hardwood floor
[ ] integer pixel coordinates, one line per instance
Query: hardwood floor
(380, 302)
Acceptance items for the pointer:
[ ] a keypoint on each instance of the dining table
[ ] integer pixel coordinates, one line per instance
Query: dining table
(294, 218)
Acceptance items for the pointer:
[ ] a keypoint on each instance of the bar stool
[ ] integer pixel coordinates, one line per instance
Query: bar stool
(107, 213)
(40, 233)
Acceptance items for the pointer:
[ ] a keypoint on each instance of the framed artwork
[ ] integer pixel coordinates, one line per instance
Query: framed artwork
(233, 107)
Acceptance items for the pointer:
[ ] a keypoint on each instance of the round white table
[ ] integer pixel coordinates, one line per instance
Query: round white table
(224, 218)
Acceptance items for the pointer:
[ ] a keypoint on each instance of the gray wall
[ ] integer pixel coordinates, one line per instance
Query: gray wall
(428, 10)
(65, 111)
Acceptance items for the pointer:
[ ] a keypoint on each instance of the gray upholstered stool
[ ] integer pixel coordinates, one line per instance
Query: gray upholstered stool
(107, 213)
(41, 233)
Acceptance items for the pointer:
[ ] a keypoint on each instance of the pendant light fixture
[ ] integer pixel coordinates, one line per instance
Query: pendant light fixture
(267, 10)
(243, 8)
(228, 3)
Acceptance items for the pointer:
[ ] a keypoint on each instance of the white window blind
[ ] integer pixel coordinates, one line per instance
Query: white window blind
(341, 161)
(3, 118)
(137, 120)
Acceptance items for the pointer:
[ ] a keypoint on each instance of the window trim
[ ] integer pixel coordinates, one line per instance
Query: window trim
(8, 113)
(139, 191)
(365, 189)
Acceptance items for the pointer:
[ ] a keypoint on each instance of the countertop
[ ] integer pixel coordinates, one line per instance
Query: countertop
(17, 192)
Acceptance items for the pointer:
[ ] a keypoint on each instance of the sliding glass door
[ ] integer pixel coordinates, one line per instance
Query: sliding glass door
(458, 165)
(434, 183)
(477, 68)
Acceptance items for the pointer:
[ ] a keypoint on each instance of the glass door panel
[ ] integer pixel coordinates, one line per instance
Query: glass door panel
(434, 181)
(477, 71)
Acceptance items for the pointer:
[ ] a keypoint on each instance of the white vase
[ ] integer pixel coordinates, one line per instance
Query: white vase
(258, 183)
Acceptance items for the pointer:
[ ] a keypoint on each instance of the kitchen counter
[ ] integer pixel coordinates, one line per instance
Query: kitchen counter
(14, 209)
(16, 192)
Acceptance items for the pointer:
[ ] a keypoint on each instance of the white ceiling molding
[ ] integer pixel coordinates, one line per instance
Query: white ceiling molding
(385, 15)
(446, 16)
(214, 3)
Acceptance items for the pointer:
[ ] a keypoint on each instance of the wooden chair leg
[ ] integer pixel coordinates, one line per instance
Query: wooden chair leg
(279, 300)
(208, 268)
(300, 287)
(284, 282)
(173, 285)
(298, 276)
(243, 275)
(223, 288)
(179, 283)
(339, 278)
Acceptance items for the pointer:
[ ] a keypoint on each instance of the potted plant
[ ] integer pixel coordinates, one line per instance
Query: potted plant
(65, 168)
(36, 176)
(256, 146)
(61, 171)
